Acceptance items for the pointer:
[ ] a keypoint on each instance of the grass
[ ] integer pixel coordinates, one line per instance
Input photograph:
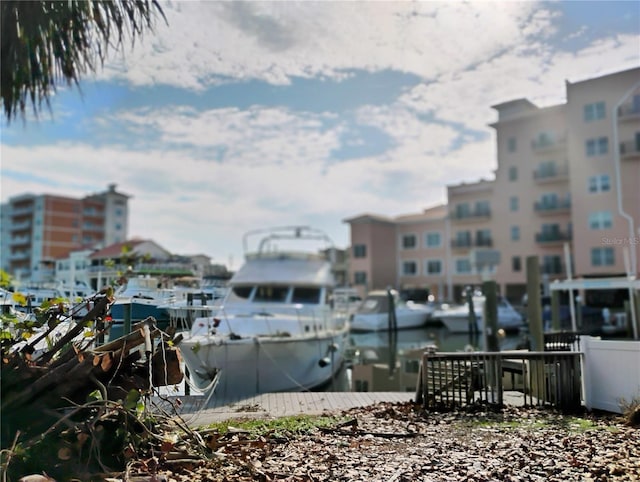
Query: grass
(298, 425)
(571, 424)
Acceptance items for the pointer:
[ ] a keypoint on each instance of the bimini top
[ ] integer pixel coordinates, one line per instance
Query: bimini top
(286, 270)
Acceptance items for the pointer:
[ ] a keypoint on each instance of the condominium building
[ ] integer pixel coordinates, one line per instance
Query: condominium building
(39, 229)
(568, 176)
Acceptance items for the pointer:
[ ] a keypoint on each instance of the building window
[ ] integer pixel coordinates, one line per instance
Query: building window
(513, 173)
(360, 251)
(597, 147)
(463, 266)
(463, 239)
(409, 268)
(515, 233)
(511, 144)
(462, 211)
(482, 208)
(551, 264)
(360, 278)
(408, 241)
(600, 220)
(599, 183)
(514, 203)
(594, 112)
(516, 264)
(433, 267)
(433, 240)
(118, 226)
(602, 257)
(483, 238)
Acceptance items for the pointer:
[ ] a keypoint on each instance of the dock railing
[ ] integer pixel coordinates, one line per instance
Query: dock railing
(451, 380)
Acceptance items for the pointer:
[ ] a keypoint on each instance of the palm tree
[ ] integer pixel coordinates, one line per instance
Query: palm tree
(46, 43)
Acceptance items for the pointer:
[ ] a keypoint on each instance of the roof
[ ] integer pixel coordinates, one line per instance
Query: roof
(364, 218)
(115, 250)
(284, 270)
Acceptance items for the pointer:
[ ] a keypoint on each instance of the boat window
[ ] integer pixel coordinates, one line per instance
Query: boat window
(242, 291)
(272, 294)
(306, 295)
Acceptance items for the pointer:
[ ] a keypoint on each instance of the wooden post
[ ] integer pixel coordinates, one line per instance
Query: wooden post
(473, 325)
(533, 306)
(534, 310)
(555, 310)
(489, 288)
(127, 308)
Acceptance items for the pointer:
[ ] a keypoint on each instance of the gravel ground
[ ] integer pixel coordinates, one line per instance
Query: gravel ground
(402, 443)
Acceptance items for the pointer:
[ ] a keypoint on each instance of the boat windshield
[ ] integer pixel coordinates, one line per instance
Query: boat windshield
(271, 294)
(307, 295)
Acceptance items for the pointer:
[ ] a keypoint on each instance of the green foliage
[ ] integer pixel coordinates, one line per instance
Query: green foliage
(46, 43)
(5, 279)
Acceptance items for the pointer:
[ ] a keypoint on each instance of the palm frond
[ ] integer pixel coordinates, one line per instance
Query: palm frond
(46, 43)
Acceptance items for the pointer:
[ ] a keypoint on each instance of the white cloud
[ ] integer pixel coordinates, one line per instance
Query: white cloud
(274, 41)
(279, 165)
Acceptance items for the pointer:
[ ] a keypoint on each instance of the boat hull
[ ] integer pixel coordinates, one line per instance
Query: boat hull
(380, 321)
(255, 365)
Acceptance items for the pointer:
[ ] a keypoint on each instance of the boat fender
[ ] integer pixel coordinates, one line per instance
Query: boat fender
(324, 362)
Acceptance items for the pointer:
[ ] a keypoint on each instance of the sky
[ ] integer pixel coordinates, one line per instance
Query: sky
(236, 116)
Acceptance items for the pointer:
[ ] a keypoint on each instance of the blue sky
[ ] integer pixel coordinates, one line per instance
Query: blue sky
(238, 116)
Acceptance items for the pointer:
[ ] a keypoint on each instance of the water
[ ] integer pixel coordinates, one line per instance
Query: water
(378, 361)
(379, 349)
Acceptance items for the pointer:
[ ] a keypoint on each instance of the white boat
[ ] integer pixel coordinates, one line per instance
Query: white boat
(456, 318)
(373, 313)
(192, 305)
(276, 330)
(139, 298)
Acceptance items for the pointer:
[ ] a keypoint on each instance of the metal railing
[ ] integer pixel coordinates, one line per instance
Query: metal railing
(451, 380)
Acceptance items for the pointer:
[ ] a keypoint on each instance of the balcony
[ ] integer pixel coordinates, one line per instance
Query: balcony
(630, 149)
(461, 243)
(20, 256)
(21, 226)
(22, 211)
(629, 111)
(469, 243)
(552, 207)
(551, 174)
(475, 215)
(545, 144)
(553, 237)
(20, 240)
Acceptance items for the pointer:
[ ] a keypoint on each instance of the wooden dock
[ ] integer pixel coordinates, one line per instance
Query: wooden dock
(274, 405)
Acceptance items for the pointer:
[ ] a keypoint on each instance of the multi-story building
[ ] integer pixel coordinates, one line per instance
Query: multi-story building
(567, 175)
(39, 229)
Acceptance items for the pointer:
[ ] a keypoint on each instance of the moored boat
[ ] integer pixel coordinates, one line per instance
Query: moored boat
(456, 318)
(276, 329)
(138, 299)
(374, 312)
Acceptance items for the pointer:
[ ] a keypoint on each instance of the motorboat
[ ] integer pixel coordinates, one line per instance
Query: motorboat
(374, 313)
(192, 305)
(137, 299)
(276, 329)
(457, 317)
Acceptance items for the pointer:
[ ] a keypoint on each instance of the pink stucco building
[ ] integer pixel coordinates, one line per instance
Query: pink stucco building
(567, 174)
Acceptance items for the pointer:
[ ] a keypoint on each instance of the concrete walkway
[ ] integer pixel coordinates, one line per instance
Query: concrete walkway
(274, 405)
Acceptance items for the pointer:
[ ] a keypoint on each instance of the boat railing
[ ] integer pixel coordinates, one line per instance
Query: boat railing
(308, 320)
